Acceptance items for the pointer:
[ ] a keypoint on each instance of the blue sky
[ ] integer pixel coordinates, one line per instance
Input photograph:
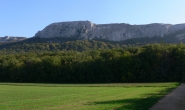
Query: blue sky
(26, 17)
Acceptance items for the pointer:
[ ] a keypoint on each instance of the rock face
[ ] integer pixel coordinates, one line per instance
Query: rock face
(113, 32)
(11, 38)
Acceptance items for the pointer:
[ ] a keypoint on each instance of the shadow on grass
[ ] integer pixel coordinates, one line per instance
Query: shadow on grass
(144, 103)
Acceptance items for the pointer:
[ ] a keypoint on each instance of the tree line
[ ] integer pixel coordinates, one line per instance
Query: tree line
(148, 63)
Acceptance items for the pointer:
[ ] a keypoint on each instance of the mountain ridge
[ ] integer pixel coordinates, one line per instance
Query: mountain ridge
(112, 32)
(12, 38)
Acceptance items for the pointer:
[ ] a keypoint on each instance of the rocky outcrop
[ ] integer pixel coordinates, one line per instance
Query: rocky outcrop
(11, 38)
(113, 32)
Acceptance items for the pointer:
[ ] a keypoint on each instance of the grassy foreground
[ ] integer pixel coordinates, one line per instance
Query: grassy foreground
(17, 96)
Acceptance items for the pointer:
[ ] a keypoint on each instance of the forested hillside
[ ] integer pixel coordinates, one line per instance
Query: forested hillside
(104, 63)
(39, 45)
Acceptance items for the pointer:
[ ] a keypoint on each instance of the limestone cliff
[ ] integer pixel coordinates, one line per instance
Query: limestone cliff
(12, 38)
(113, 32)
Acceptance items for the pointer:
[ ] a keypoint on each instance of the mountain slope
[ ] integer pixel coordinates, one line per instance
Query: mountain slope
(112, 32)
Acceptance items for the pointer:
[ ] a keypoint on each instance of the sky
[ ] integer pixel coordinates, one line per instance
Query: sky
(27, 17)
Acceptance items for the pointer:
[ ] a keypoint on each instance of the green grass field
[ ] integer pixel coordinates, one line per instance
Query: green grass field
(25, 96)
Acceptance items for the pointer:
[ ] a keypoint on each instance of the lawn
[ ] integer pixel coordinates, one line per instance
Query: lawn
(25, 96)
